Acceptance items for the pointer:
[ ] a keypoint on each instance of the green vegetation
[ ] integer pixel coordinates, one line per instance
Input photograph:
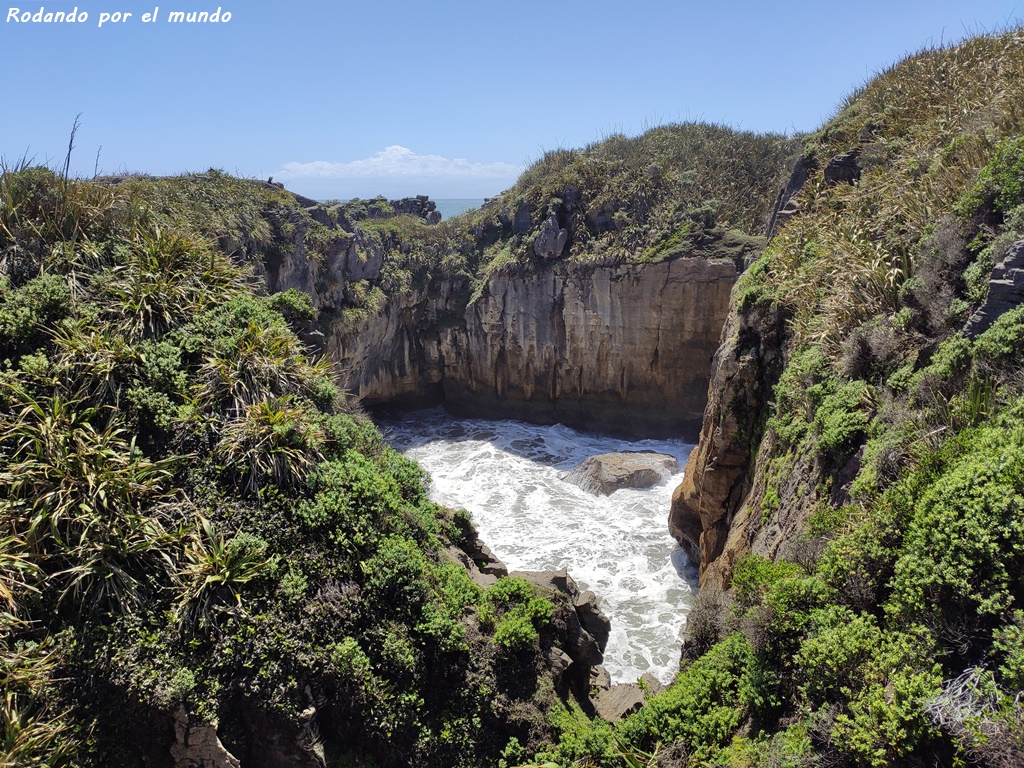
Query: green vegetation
(675, 189)
(689, 189)
(893, 635)
(195, 523)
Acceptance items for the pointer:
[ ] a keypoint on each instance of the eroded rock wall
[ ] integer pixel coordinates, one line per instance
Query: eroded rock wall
(623, 348)
(718, 476)
(401, 352)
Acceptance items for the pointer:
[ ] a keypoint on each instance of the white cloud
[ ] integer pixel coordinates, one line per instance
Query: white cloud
(397, 162)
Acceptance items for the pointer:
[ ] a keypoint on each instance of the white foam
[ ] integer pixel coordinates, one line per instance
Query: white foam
(509, 476)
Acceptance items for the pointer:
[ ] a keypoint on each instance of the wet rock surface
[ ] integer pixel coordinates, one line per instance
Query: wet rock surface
(608, 472)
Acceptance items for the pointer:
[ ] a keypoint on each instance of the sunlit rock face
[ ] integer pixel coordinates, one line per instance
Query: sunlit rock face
(620, 348)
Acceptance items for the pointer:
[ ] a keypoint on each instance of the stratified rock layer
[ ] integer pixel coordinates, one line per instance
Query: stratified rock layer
(1005, 291)
(717, 476)
(621, 348)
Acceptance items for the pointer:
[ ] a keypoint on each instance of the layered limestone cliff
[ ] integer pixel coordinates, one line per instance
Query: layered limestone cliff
(717, 509)
(625, 348)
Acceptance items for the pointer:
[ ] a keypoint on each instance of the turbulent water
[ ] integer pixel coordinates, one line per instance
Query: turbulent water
(509, 476)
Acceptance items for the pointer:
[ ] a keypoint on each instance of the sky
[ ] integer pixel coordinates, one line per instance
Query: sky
(340, 99)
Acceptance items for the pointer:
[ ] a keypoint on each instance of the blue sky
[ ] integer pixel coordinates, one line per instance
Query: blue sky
(448, 98)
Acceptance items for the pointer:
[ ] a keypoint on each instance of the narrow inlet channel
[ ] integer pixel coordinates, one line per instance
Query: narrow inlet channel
(508, 475)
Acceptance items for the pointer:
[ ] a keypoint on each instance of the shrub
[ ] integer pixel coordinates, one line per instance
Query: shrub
(394, 575)
(1001, 347)
(1008, 641)
(296, 308)
(515, 632)
(792, 412)
(839, 418)
(965, 542)
(755, 575)
(886, 719)
(28, 311)
(701, 709)
(518, 611)
(829, 661)
(1000, 184)
(349, 661)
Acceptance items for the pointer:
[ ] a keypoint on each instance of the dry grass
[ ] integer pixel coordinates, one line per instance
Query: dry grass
(923, 128)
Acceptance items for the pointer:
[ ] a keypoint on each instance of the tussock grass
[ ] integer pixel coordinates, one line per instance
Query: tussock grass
(923, 128)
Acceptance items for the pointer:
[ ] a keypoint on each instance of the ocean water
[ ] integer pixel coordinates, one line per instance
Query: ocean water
(455, 206)
(508, 475)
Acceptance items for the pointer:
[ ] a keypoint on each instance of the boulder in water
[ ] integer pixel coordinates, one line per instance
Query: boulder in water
(608, 472)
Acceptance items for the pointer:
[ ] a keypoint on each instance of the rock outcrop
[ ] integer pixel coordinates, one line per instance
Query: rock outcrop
(710, 516)
(592, 618)
(196, 745)
(786, 203)
(717, 476)
(598, 345)
(614, 702)
(580, 622)
(622, 348)
(608, 472)
(1005, 291)
(843, 169)
(400, 352)
(476, 557)
(420, 206)
(618, 701)
(551, 240)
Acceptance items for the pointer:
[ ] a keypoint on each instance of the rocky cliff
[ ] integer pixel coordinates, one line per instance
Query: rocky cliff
(825, 383)
(602, 345)
(717, 477)
(592, 293)
(624, 347)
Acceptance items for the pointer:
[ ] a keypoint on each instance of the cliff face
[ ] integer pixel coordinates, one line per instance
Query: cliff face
(717, 477)
(591, 293)
(625, 348)
(399, 353)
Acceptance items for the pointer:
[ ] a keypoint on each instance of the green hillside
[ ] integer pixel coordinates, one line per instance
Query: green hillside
(894, 633)
(196, 523)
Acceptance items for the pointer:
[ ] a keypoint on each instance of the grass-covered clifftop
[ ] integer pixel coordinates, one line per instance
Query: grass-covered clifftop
(692, 188)
(873, 540)
(196, 528)
(683, 188)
